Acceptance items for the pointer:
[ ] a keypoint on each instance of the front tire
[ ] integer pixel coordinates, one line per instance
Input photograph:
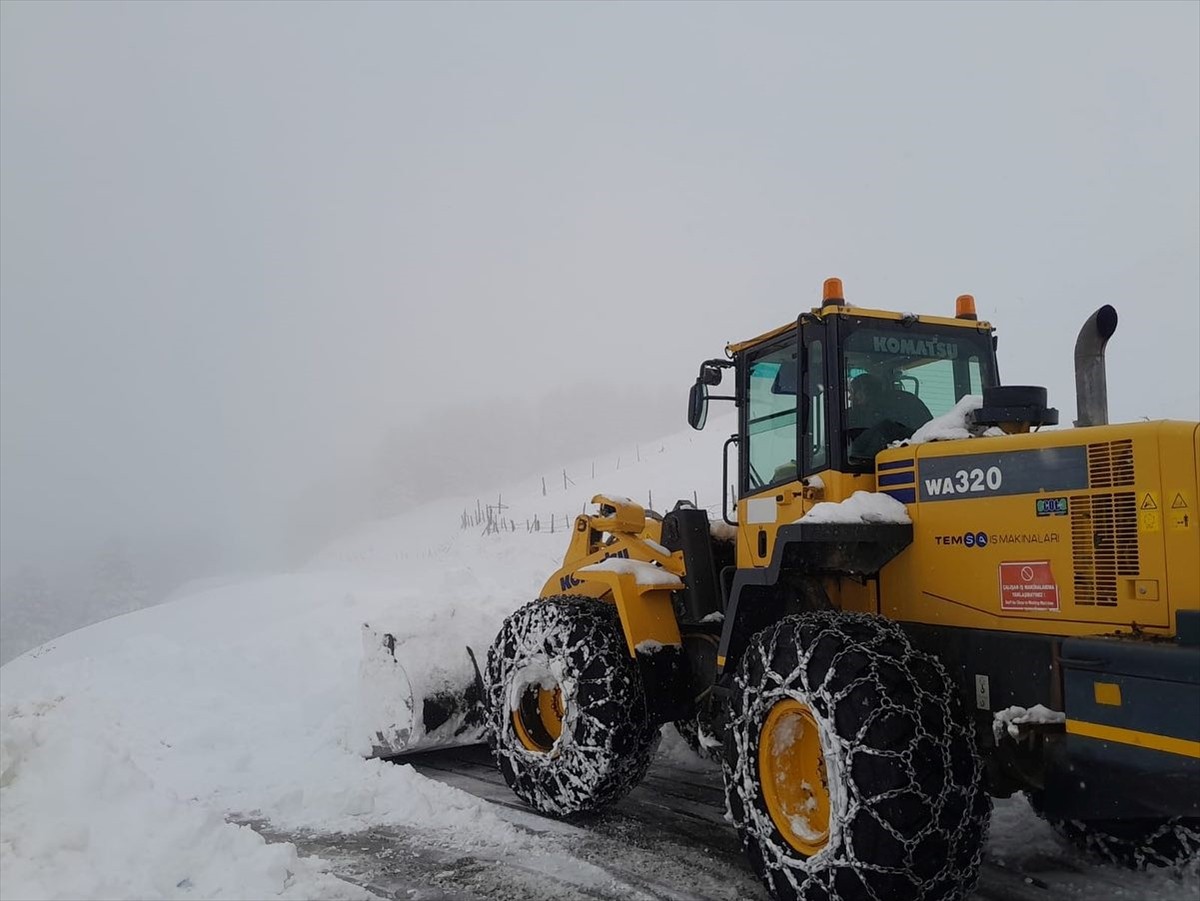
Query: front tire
(566, 710)
(848, 771)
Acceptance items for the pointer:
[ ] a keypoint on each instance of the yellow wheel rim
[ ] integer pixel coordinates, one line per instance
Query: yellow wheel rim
(538, 719)
(791, 770)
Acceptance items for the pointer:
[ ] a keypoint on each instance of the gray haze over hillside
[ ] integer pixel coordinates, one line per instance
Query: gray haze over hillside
(267, 270)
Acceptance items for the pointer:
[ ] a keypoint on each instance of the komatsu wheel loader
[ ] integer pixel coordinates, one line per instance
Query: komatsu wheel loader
(885, 629)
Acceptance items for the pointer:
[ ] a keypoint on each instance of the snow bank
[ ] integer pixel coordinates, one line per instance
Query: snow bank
(83, 820)
(129, 745)
(860, 507)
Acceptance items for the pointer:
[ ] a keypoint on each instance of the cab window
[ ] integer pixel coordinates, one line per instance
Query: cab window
(816, 444)
(771, 395)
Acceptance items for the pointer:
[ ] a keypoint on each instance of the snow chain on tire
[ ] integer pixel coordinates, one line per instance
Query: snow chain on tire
(707, 748)
(1136, 844)
(576, 647)
(907, 812)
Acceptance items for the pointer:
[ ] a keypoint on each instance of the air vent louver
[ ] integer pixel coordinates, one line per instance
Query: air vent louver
(1104, 543)
(1110, 464)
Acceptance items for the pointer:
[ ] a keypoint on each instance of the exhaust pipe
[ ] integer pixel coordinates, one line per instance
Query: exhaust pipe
(1091, 384)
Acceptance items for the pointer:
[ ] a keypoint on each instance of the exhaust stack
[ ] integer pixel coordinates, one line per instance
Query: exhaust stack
(1091, 384)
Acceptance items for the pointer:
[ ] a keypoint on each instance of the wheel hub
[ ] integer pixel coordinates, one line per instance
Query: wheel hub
(792, 773)
(538, 719)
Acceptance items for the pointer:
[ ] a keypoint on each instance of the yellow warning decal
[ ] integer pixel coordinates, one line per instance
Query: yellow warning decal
(1149, 517)
(1181, 516)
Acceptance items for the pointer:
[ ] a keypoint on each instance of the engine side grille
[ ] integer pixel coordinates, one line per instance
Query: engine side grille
(1104, 545)
(1110, 464)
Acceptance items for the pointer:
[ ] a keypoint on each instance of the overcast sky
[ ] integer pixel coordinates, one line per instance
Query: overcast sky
(240, 243)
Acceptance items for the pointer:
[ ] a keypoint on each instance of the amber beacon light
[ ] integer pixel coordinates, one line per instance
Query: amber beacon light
(964, 307)
(831, 294)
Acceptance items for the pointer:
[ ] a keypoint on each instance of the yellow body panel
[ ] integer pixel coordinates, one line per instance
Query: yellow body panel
(764, 513)
(1039, 573)
(789, 503)
(1179, 461)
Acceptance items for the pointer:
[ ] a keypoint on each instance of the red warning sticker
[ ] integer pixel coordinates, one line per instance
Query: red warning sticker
(1028, 585)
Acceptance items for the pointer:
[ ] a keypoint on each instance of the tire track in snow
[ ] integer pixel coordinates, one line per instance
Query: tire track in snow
(667, 841)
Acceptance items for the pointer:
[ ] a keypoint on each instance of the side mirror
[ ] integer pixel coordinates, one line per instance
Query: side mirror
(698, 403)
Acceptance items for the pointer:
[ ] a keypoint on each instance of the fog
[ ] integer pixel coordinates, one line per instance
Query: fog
(270, 270)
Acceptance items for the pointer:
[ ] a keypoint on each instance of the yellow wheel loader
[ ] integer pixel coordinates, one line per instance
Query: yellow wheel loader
(921, 598)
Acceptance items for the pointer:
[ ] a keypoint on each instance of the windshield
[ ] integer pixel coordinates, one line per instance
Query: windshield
(899, 377)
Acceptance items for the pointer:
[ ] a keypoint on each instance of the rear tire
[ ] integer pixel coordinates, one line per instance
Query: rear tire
(1135, 844)
(848, 771)
(566, 710)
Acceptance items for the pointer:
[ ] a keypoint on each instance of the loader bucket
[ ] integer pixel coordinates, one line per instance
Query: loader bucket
(435, 704)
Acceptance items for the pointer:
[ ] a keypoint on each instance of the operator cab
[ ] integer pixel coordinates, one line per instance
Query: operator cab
(841, 384)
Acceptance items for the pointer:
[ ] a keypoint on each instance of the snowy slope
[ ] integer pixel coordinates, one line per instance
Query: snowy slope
(130, 749)
(127, 744)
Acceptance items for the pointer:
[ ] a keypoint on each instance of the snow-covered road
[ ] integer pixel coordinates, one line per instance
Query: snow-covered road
(668, 841)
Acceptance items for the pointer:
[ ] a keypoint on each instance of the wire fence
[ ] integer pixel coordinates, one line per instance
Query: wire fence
(498, 517)
(495, 518)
